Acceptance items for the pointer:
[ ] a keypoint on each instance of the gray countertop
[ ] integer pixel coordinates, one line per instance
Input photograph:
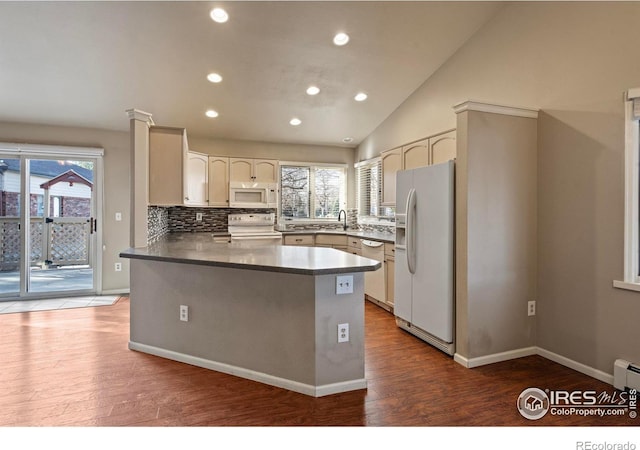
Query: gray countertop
(200, 249)
(372, 235)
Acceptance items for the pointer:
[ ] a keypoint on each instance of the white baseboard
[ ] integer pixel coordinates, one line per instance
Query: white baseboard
(575, 365)
(494, 358)
(528, 351)
(302, 388)
(115, 292)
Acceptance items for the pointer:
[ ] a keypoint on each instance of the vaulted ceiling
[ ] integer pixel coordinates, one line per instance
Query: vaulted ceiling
(85, 63)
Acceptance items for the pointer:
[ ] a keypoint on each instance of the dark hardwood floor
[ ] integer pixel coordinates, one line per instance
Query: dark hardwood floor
(72, 368)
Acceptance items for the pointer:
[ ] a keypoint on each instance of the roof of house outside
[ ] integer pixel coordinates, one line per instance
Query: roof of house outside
(49, 168)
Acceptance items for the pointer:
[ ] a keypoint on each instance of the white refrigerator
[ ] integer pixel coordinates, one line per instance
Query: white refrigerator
(424, 269)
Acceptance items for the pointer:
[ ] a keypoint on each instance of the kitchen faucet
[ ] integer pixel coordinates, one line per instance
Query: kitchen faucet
(345, 218)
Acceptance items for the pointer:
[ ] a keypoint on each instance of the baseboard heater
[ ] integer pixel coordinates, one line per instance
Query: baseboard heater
(626, 375)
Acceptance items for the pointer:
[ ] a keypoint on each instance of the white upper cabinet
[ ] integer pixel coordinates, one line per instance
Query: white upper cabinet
(265, 170)
(196, 176)
(391, 164)
(432, 150)
(256, 170)
(415, 155)
(218, 181)
(442, 147)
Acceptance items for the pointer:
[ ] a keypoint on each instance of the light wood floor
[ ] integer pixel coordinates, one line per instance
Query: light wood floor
(73, 368)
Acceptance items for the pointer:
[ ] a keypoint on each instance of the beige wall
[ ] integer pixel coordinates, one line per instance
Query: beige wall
(116, 185)
(573, 61)
(496, 249)
(282, 152)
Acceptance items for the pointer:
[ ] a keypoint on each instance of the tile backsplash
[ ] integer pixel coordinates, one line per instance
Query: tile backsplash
(176, 219)
(180, 219)
(157, 223)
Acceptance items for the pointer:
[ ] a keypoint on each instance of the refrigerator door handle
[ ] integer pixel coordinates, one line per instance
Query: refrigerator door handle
(410, 231)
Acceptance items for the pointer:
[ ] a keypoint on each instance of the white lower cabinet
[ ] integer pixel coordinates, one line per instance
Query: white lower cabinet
(389, 270)
(339, 241)
(299, 239)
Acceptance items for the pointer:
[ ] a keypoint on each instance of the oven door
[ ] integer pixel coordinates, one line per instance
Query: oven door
(257, 238)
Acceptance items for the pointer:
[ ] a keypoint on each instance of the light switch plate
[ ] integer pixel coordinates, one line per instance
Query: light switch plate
(118, 217)
(344, 284)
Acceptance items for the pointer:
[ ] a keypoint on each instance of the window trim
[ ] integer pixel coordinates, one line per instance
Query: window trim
(302, 221)
(368, 219)
(631, 278)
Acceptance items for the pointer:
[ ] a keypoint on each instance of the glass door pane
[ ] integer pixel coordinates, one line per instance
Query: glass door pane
(10, 170)
(62, 225)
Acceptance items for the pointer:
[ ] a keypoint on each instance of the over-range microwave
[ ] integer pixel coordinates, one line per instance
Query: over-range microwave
(253, 195)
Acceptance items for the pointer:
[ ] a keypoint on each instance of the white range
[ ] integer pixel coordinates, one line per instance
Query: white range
(259, 228)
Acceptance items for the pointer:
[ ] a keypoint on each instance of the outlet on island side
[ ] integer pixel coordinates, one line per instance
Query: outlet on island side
(118, 267)
(344, 284)
(343, 332)
(531, 308)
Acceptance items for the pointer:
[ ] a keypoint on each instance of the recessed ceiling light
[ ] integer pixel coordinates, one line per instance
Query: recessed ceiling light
(341, 39)
(313, 90)
(211, 113)
(214, 77)
(347, 140)
(360, 97)
(219, 15)
(295, 121)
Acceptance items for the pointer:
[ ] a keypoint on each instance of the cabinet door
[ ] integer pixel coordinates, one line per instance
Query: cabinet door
(305, 240)
(443, 147)
(167, 155)
(218, 181)
(240, 169)
(389, 271)
(265, 170)
(415, 155)
(196, 175)
(391, 164)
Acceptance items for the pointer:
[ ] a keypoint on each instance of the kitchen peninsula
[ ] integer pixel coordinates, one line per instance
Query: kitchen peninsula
(269, 313)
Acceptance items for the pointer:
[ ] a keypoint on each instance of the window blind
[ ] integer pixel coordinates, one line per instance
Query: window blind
(369, 195)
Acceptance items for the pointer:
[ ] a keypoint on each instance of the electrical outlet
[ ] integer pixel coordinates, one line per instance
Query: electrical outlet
(118, 267)
(198, 217)
(184, 313)
(344, 284)
(118, 217)
(531, 308)
(343, 332)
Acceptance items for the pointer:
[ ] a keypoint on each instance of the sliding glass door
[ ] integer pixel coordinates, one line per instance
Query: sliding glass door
(62, 223)
(10, 226)
(49, 227)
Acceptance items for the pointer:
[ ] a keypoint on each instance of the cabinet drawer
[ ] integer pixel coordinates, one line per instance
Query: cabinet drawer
(330, 239)
(304, 239)
(389, 250)
(353, 242)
